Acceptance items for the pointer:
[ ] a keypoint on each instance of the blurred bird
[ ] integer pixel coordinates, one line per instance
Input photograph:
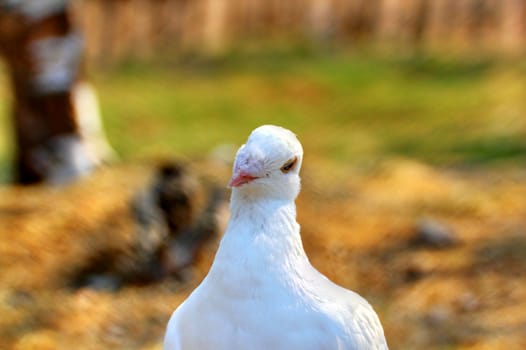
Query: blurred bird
(261, 291)
(174, 217)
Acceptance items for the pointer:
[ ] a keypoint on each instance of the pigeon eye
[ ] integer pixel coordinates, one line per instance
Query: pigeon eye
(289, 165)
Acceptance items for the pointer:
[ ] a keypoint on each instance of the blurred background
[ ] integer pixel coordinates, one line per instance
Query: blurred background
(124, 117)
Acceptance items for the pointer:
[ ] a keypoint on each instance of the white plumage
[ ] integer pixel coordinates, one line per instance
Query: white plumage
(261, 291)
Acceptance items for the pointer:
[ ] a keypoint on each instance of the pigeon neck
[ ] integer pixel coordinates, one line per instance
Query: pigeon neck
(264, 215)
(262, 192)
(260, 251)
(265, 229)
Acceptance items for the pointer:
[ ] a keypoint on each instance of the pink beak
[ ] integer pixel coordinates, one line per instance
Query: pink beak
(241, 178)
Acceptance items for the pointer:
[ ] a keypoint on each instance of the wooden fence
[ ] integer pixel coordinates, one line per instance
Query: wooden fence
(115, 29)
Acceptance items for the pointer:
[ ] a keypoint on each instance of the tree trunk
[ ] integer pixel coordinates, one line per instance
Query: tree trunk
(43, 50)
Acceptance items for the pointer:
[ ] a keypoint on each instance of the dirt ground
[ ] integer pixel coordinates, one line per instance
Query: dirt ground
(358, 225)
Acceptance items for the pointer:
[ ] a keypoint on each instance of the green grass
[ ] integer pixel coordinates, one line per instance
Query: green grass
(346, 108)
(5, 128)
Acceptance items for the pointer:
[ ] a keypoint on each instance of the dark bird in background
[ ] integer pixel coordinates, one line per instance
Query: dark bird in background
(176, 215)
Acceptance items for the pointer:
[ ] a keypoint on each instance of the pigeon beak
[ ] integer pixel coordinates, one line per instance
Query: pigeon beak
(240, 178)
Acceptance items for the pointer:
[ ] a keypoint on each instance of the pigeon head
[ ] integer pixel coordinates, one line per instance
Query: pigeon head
(268, 164)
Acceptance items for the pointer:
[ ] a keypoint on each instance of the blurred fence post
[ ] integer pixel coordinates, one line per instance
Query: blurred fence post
(513, 25)
(215, 25)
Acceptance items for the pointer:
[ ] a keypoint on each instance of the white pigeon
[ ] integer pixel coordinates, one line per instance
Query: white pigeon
(261, 291)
